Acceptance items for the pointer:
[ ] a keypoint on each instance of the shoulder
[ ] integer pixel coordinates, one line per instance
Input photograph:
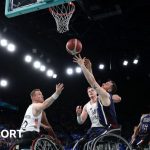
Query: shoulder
(143, 115)
(36, 107)
(86, 105)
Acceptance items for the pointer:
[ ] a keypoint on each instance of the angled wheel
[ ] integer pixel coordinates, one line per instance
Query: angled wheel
(43, 143)
(88, 145)
(75, 147)
(111, 142)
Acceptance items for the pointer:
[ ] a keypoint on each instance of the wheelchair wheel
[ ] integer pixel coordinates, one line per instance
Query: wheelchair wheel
(85, 146)
(75, 147)
(110, 142)
(13, 147)
(43, 144)
(88, 145)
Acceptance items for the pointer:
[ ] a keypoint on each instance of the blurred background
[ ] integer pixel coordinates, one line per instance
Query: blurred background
(111, 32)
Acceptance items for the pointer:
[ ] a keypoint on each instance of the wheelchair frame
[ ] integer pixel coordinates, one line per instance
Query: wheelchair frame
(91, 145)
(45, 142)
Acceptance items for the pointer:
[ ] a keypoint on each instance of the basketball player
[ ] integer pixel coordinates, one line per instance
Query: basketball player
(100, 108)
(141, 135)
(116, 98)
(32, 120)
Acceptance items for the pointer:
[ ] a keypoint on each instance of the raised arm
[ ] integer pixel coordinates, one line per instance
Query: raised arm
(39, 107)
(88, 65)
(81, 114)
(136, 131)
(91, 80)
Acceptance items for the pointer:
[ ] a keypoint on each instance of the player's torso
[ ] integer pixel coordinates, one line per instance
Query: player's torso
(30, 122)
(93, 114)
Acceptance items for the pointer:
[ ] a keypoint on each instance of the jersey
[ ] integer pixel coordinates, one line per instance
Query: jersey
(100, 115)
(31, 122)
(91, 109)
(145, 125)
(111, 114)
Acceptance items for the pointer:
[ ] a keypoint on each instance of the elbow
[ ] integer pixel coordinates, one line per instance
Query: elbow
(107, 103)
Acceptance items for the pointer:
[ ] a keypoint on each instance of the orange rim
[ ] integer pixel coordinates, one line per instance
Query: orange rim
(63, 14)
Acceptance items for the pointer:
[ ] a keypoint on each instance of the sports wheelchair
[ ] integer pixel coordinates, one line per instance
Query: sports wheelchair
(111, 140)
(44, 142)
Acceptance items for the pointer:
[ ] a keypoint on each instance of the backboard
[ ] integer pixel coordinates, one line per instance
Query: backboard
(19, 7)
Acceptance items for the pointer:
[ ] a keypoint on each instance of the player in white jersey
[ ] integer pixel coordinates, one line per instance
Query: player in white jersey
(35, 113)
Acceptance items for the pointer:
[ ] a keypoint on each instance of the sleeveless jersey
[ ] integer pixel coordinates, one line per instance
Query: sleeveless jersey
(91, 109)
(30, 122)
(110, 113)
(102, 116)
(145, 124)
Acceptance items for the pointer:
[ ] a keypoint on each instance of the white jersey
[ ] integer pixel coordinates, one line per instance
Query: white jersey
(91, 109)
(30, 122)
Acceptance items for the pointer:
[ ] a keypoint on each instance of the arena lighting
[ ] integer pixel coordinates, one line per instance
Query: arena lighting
(3, 42)
(28, 58)
(36, 64)
(42, 68)
(125, 62)
(69, 71)
(11, 47)
(135, 61)
(49, 73)
(3, 83)
(78, 70)
(54, 76)
(101, 66)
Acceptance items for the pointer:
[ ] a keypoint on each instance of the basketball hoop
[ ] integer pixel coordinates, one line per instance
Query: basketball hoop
(62, 15)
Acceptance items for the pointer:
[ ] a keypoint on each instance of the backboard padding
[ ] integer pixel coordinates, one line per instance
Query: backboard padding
(19, 7)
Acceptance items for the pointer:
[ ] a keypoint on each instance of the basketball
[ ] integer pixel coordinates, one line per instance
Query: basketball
(74, 46)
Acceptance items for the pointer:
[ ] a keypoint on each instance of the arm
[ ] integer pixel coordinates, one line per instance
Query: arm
(39, 107)
(46, 125)
(116, 98)
(88, 65)
(81, 114)
(136, 131)
(91, 80)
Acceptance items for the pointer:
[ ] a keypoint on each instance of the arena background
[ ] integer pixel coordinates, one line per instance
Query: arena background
(106, 36)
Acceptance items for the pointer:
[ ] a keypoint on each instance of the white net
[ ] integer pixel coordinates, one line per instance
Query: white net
(62, 14)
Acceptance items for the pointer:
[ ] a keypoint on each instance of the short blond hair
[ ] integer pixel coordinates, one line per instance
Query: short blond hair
(33, 92)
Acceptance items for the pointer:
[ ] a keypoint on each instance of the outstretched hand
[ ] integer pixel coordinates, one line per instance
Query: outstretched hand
(59, 88)
(78, 110)
(79, 60)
